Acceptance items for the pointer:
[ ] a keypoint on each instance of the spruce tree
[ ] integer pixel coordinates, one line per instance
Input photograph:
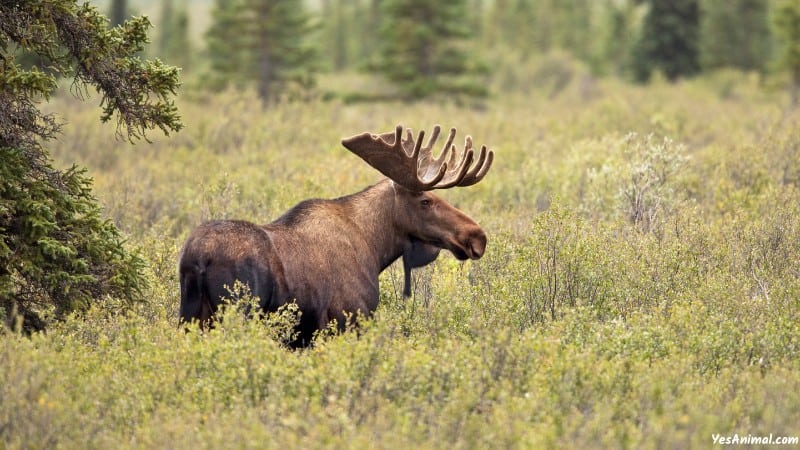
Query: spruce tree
(669, 40)
(265, 42)
(57, 253)
(225, 45)
(424, 48)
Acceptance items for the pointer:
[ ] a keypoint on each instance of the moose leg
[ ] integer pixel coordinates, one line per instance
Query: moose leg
(309, 323)
(191, 296)
(195, 302)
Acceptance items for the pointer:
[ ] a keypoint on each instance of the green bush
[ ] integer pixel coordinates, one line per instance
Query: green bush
(579, 328)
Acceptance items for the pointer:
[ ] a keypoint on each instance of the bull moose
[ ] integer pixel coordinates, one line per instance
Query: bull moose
(326, 255)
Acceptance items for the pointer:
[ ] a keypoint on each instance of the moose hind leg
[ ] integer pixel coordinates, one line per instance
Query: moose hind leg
(305, 329)
(191, 296)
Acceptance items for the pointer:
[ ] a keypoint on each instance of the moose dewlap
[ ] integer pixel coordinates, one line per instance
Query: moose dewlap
(326, 255)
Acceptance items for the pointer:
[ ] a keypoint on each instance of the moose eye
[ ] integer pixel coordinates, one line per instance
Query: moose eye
(426, 202)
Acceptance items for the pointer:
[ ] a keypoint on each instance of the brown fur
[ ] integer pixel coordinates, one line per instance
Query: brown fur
(324, 254)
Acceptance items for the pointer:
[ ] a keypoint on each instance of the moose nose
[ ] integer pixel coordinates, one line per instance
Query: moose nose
(477, 244)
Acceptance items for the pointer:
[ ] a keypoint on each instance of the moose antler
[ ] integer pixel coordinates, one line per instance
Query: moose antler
(412, 166)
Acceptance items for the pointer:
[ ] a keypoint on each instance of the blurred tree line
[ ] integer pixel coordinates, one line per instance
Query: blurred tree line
(426, 47)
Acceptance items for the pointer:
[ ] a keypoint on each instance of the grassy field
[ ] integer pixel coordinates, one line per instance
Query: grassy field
(640, 289)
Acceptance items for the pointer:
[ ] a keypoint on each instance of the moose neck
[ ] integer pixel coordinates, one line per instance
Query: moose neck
(373, 211)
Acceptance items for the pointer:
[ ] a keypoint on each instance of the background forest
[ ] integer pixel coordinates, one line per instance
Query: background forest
(641, 284)
(449, 47)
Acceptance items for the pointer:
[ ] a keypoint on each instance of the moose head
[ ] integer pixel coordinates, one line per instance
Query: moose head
(430, 222)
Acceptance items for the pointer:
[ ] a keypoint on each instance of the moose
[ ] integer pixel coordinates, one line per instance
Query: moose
(326, 255)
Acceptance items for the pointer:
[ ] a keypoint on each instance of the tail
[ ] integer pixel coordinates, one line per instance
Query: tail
(194, 296)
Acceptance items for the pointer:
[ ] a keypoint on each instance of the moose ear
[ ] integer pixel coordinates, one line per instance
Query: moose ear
(416, 254)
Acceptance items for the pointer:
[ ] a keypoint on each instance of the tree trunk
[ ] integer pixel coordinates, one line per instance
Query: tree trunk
(264, 76)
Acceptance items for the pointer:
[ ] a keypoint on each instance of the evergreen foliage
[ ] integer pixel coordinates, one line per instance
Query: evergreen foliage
(57, 253)
(787, 28)
(735, 34)
(424, 48)
(394, 38)
(536, 26)
(669, 40)
(261, 41)
(224, 45)
(348, 33)
(338, 16)
(617, 36)
(624, 38)
(173, 42)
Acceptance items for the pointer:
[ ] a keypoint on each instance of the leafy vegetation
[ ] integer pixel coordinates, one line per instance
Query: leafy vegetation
(57, 252)
(640, 287)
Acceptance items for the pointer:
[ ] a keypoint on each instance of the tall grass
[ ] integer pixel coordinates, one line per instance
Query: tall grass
(641, 287)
